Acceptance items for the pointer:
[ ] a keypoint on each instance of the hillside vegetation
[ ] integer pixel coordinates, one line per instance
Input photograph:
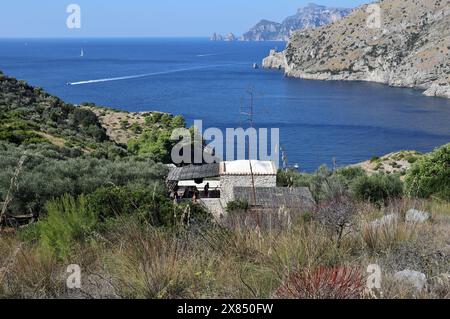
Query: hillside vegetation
(50, 149)
(102, 205)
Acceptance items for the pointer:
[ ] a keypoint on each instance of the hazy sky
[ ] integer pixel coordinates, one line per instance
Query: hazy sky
(145, 18)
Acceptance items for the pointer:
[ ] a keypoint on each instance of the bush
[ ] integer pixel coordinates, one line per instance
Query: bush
(68, 221)
(147, 204)
(155, 140)
(324, 184)
(292, 178)
(338, 282)
(378, 188)
(350, 174)
(43, 178)
(337, 215)
(239, 205)
(430, 175)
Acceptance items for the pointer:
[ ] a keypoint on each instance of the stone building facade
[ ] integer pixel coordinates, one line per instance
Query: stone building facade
(239, 174)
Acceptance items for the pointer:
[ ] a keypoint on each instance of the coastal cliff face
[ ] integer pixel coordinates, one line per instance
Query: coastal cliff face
(265, 30)
(409, 48)
(275, 60)
(311, 16)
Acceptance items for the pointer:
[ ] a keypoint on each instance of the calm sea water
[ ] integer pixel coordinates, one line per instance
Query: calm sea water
(206, 80)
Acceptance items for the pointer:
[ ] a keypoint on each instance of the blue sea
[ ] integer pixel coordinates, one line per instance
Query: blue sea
(200, 79)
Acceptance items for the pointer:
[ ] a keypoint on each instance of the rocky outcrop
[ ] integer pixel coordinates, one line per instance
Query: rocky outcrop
(275, 60)
(410, 47)
(216, 37)
(392, 163)
(439, 89)
(230, 37)
(311, 16)
(417, 216)
(414, 278)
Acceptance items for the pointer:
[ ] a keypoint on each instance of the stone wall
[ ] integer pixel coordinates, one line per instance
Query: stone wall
(228, 182)
(215, 206)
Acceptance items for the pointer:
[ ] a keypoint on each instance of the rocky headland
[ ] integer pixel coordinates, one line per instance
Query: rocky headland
(409, 48)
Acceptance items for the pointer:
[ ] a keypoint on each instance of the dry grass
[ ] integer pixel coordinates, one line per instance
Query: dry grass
(248, 260)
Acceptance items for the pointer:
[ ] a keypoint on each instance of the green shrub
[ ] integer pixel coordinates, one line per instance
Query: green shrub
(292, 178)
(136, 128)
(147, 204)
(153, 142)
(430, 175)
(124, 124)
(350, 174)
(46, 176)
(378, 188)
(68, 221)
(238, 205)
(324, 183)
(113, 201)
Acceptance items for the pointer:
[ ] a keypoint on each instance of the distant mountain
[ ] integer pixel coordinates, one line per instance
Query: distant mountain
(308, 17)
(410, 48)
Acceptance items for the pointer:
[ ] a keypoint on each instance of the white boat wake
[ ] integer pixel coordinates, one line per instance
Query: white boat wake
(129, 77)
(205, 55)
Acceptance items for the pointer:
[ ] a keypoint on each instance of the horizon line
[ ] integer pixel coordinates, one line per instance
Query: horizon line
(118, 37)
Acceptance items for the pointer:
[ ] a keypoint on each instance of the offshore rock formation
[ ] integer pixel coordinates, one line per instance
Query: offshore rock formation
(311, 16)
(230, 37)
(218, 37)
(409, 48)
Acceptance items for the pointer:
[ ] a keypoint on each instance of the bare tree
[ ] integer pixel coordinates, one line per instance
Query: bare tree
(337, 214)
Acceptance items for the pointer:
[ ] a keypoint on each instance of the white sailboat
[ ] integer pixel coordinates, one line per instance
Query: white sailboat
(82, 53)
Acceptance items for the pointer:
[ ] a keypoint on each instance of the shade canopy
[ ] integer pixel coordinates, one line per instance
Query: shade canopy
(193, 172)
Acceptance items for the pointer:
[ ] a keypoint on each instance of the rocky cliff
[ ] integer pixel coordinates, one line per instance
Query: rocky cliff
(218, 37)
(311, 16)
(409, 47)
(275, 60)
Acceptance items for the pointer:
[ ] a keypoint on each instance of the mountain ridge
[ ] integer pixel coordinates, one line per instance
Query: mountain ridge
(410, 49)
(310, 16)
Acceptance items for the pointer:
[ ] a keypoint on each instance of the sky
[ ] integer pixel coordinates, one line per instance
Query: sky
(146, 18)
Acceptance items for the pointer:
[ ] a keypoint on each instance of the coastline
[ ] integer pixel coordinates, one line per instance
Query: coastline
(278, 61)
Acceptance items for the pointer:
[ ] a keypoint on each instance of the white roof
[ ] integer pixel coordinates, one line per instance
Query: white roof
(242, 167)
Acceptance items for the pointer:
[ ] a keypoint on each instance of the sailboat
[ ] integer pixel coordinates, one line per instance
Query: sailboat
(82, 53)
